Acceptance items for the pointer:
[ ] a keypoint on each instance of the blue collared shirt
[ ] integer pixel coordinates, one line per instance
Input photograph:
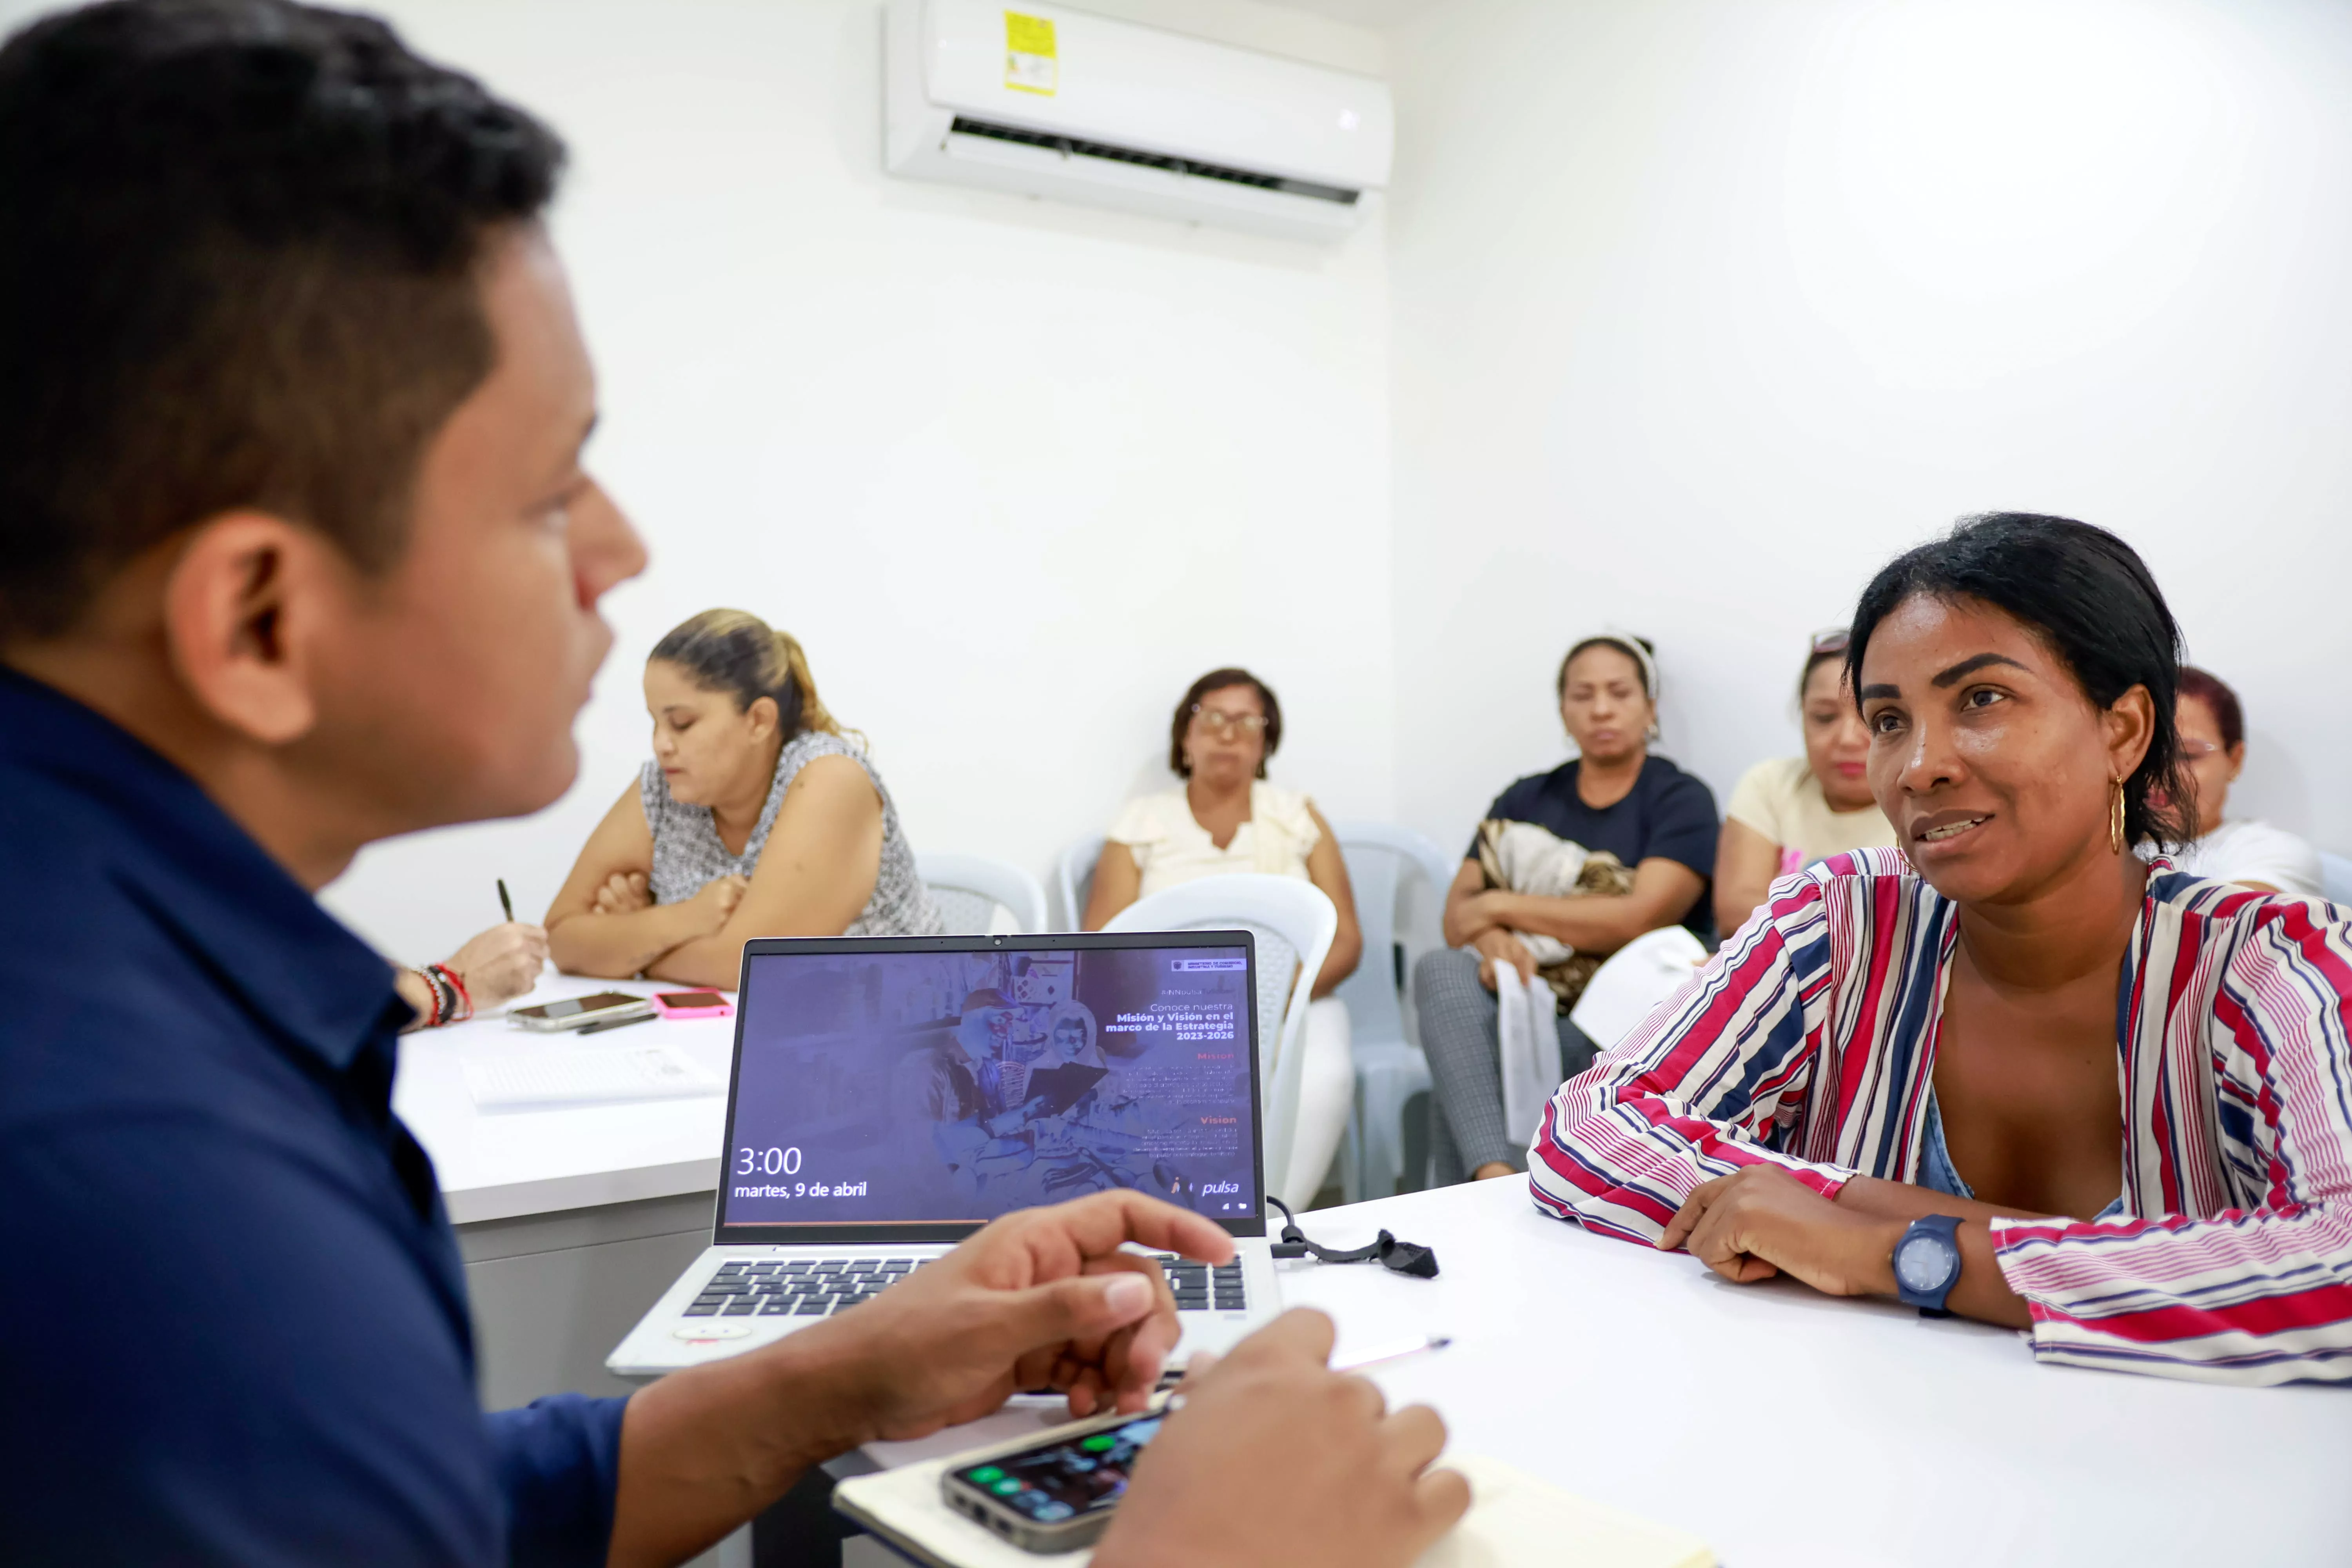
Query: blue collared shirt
(231, 1310)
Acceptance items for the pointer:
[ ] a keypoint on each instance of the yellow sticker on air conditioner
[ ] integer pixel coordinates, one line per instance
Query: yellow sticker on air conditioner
(1030, 62)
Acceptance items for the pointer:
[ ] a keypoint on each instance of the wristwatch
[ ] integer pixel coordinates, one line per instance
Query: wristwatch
(1927, 1264)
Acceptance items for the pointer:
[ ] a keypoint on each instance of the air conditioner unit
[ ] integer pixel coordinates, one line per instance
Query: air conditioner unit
(1048, 102)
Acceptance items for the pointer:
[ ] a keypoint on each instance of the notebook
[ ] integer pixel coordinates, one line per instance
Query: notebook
(1514, 1521)
(538, 1077)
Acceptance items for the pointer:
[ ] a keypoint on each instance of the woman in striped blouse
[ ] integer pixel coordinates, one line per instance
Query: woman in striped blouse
(2010, 1070)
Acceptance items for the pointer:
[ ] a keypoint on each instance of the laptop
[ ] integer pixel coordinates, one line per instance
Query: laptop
(891, 1095)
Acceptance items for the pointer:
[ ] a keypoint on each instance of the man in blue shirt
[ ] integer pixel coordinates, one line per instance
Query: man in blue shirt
(297, 552)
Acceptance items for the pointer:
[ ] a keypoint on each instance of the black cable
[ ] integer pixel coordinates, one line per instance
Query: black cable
(1404, 1256)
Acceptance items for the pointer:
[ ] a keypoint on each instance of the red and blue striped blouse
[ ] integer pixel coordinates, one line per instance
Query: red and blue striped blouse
(1809, 1042)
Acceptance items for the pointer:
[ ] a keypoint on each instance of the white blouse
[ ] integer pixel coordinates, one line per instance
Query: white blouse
(1170, 846)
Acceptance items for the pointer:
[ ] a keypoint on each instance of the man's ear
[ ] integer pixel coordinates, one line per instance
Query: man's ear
(242, 608)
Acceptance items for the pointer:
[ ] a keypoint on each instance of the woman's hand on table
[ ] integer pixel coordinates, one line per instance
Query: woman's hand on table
(1495, 945)
(502, 964)
(1760, 1221)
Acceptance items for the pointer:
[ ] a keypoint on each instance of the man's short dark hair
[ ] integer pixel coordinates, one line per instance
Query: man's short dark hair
(238, 267)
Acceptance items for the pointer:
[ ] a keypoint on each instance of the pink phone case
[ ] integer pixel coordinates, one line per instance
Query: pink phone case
(724, 1010)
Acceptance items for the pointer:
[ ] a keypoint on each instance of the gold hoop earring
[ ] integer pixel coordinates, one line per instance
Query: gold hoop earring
(2115, 819)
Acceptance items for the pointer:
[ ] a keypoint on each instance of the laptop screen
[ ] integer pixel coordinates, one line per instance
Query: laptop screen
(889, 1089)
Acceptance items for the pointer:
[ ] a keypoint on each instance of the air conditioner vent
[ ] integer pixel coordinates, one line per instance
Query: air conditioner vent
(1074, 148)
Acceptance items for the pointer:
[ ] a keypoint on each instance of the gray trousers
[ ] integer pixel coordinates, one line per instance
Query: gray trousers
(1462, 1038)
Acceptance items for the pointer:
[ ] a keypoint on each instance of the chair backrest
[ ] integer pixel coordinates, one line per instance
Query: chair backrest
(1637, 978)
(2334, 878)
(968, 890)
(1076, 876)
(1294, 924)
(1382, 861)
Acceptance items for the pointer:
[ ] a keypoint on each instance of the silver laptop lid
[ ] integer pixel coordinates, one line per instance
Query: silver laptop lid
(893, 1089)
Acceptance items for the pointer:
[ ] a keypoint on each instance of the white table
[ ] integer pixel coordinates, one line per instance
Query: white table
(573, 1221)
(1785, 1427)
(1791, 1430)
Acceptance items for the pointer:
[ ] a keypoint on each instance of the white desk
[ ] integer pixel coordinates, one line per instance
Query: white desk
(507, 1164)
(572, 1222)
(1793, 1431)
(1788, 1428)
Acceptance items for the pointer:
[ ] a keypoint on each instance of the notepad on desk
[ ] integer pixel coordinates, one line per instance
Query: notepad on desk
(541, 1078)
(1514, 1521)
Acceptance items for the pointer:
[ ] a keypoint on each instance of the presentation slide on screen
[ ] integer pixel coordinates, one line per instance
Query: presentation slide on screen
(902, 1086)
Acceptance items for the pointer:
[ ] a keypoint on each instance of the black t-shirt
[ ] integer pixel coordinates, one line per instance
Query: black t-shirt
(1667, 814)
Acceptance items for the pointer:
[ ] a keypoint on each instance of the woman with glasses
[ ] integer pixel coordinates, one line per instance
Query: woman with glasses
(1224, 819)
(1789, 812)
(2013, 1072)
(1569, 867)
(2213, 746)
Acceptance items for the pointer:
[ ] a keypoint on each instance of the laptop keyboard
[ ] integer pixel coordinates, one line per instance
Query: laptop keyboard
(815, 1287)
(807, 1288)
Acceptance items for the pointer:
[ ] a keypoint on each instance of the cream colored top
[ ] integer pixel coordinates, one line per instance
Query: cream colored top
(1170, 846)
(1782, 800)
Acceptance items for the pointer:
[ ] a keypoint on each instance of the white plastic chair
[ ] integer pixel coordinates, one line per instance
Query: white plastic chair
(970, 889)
(1294, 924)
(1076, 876)
(1637, 978)
(2335, 878)
(1383, 860)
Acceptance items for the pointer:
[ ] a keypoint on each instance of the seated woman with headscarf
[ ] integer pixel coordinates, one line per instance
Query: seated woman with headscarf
(2011, 1072)
(1568, 866)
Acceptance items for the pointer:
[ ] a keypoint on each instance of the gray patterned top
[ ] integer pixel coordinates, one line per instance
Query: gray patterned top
(689, 856)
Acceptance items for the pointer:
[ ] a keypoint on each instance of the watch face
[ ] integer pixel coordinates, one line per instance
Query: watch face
(1923, 1262)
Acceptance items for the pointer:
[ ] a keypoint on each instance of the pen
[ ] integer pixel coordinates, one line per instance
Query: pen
(1393, 1350)
(599, 1029)
(504, 902)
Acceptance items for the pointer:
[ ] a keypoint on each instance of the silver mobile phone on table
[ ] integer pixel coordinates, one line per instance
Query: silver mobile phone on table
(1059, 1494)
(577, 1012)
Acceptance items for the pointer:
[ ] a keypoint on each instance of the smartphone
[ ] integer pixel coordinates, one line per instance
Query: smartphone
(574, 1011)
(1058, 1495)
(692, 1004)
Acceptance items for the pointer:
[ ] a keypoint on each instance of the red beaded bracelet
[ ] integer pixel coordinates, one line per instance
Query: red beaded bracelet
(461, 1001)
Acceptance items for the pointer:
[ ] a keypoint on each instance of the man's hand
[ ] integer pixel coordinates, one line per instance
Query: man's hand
(1275, 1459)
(623, 893)
(1760, 1221)
(502, 964)
(1041, 1298)
(1495, 945)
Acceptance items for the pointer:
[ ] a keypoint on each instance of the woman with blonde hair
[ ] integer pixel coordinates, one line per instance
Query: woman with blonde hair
(746, 761)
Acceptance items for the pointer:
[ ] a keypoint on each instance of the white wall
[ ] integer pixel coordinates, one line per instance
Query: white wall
(1015, 472)
(1702, 311)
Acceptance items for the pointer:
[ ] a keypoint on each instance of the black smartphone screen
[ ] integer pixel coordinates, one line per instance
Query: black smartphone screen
(690, 998)
(1084, 1475)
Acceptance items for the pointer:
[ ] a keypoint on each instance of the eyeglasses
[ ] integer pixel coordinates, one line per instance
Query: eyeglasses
(2193, 749)
(1219, 722)
(1831, 639)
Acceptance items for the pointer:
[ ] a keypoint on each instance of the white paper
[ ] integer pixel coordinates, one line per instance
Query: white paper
(1514, 1521)
(541, 1076)
(1529, 1050)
